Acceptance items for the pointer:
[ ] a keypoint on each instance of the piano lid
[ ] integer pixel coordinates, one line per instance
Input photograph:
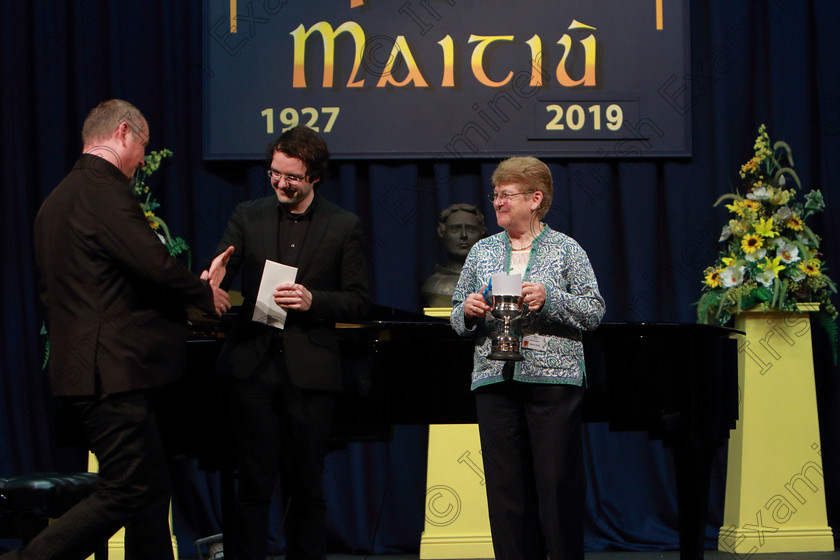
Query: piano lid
(381, 315)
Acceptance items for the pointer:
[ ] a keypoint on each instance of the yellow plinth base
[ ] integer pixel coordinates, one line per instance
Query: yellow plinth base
(457, 525)
(775, 491)
(116, 544)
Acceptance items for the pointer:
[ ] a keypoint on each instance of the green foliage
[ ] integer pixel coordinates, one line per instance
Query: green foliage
(46, 347)
(175, 245)
(829, 324)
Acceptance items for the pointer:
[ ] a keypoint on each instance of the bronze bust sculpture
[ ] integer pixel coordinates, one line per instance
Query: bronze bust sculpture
(459, 227)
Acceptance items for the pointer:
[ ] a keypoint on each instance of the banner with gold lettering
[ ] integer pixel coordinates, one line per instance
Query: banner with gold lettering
(449, 78)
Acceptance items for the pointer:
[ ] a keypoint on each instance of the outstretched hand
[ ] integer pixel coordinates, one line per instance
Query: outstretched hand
(214, 276)
(218, 268)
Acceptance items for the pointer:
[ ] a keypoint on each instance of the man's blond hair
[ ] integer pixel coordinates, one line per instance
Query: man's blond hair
(107, 116)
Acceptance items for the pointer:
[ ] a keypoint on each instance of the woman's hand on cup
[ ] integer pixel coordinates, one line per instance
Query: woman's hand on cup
(533, 295)
(475, 306)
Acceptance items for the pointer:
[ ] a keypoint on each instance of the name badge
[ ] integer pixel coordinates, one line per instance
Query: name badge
(535, 342)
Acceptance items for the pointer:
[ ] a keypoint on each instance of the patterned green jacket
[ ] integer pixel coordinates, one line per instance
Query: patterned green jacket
(573, 304)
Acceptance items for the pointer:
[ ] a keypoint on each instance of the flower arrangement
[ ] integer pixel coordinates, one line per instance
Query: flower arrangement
(771, 260)
(175, 245)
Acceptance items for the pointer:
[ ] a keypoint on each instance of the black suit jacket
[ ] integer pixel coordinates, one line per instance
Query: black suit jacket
(114, 297)
(331, 266)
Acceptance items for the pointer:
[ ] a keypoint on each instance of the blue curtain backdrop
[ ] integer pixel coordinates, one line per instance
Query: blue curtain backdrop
(648, 226)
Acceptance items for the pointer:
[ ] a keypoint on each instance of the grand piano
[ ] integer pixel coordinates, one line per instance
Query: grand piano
(677, 382)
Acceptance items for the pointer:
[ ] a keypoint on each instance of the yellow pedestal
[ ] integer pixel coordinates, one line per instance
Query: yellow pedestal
(116, 544)
(775, 491)
(457, 524)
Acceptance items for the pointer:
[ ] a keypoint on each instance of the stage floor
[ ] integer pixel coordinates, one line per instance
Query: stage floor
(623, 555)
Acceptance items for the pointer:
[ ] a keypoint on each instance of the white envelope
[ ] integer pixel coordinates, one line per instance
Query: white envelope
(265, 310)
(504, 285)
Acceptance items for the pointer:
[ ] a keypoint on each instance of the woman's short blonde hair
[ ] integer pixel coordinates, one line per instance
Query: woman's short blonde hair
(530, 174)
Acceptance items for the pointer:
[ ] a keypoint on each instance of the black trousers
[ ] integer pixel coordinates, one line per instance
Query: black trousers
(280, 428)
(133, 492)
(533, 464)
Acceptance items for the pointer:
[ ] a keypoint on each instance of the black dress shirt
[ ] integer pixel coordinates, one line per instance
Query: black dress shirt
(291, 233)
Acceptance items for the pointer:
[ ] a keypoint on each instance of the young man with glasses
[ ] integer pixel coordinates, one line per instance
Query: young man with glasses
(285, 381)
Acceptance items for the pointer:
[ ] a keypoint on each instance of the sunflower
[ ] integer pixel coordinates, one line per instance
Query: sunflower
(753, 205)
(713, 277)
(794, 223)
(751, 242)
(811, 267)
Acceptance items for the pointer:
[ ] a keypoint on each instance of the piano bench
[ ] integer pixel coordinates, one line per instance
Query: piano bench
(28, 502)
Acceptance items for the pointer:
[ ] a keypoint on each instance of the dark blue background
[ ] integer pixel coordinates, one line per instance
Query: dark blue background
(647, 224)
(637, 66)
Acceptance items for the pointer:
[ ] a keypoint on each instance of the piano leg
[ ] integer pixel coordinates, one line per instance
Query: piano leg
(693, 466)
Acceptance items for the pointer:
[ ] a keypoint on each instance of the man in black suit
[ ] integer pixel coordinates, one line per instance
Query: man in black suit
(114, 304)
(285, 381)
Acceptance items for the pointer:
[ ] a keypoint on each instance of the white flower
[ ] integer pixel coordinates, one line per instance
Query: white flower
(797, 275)
(732, 276)
(804, 239)
(756, 255)
(775, 243)
(725, 233)
(782, 214)
(789, 253)
(761, 194)
(766, 278)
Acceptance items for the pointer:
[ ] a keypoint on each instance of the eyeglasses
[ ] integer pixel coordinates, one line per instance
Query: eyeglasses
(505, 197)
(290, 179)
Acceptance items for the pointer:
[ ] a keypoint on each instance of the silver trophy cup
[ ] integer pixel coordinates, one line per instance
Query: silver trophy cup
(505, 346)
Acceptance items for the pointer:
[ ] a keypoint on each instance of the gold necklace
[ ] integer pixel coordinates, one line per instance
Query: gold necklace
(528, 246)
(512, 248)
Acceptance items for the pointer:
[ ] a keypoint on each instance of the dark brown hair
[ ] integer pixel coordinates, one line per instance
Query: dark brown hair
(305, 144)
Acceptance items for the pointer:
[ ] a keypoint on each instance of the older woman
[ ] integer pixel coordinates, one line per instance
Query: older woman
(529, 412)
